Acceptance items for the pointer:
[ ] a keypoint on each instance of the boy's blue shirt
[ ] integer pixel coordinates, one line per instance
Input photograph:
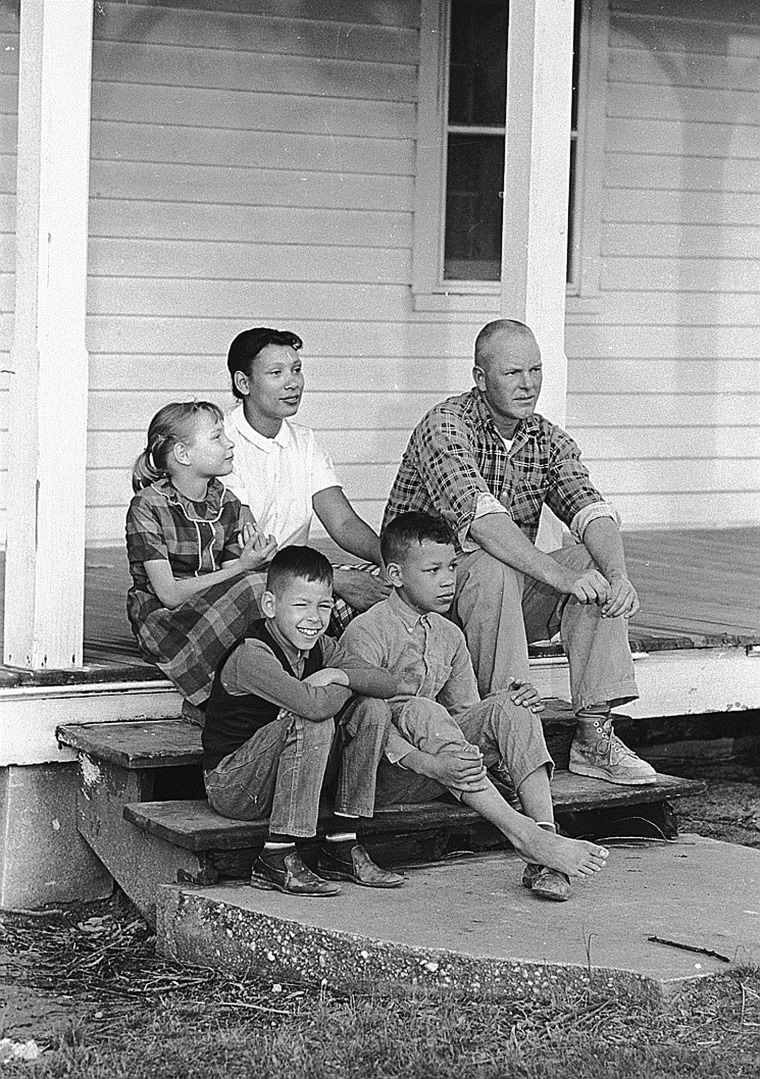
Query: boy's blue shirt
(427, 654)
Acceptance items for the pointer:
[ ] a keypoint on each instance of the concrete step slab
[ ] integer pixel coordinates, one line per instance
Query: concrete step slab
(659, 914)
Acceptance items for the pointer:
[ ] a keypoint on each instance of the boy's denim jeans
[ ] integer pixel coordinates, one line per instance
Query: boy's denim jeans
(278, 773)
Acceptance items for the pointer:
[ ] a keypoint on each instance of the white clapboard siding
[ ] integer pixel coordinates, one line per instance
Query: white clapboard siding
(198, 65)
(9, 40)
(151, 142)
(687, 172)
(702, 443)
(233, 184)
(683, 308)
(136, 23)
(253, 162)
(662, 380)
(655, 409)
(654, 476)
(178, 374)
(120, 448)
(720, 276)
(207, 335)
(228, 262)
(152, 222)
(700, 342)
(682, 375)
(228, 109)
(669, 137)
(691, 241)
(130, 411)
(716, 509)
(683, 207)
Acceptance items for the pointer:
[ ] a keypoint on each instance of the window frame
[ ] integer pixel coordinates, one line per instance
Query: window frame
(431, 291)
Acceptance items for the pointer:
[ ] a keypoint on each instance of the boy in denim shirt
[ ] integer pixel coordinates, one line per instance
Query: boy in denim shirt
(443, 736)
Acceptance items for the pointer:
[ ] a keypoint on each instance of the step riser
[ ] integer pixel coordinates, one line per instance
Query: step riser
(139, 863)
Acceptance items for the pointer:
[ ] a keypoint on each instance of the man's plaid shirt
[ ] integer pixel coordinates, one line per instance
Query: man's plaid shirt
(457, 465)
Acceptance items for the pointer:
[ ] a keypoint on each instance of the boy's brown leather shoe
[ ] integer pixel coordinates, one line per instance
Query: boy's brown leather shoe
(289, 874)
(356, 865)
(546, 883)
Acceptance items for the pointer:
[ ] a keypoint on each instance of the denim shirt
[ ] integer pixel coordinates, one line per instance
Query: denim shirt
(427, 655)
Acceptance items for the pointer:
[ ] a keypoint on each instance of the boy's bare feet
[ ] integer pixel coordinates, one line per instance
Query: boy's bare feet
(576, 857)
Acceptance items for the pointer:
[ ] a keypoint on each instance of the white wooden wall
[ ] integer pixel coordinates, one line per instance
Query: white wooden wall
(9, 40)
(665, 381)
(256, 166)
(257, 169)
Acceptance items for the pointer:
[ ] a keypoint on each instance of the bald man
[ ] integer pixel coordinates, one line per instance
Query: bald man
(488, 462)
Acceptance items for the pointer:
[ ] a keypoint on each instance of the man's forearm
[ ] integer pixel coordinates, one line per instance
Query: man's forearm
(605, 545)
(497, 534)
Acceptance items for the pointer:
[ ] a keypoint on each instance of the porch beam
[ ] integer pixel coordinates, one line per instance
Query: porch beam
(536, 182)
(44, 576)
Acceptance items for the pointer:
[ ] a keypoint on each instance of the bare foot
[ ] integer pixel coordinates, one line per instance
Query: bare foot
(575, 857)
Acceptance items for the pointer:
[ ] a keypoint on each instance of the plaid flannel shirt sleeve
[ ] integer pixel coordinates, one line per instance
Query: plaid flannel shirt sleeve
(447, 461)
(571, 495)
(232, 522)
(145, 534)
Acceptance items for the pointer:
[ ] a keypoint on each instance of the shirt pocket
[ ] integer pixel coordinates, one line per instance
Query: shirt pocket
(439, 674)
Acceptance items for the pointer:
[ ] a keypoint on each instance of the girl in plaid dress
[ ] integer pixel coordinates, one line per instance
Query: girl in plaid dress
(191, 549)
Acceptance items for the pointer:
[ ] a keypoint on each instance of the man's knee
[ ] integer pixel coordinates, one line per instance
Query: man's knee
(578, 557)
(485, 571)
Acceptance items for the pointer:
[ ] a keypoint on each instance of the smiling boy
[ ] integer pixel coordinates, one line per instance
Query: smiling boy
(444, 736)
(270, 729)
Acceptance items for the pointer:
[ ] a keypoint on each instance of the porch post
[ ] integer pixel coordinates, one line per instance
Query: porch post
(536, 182)
(44, 574)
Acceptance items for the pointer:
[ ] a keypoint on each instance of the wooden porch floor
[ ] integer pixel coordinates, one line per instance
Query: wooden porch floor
(698, 588)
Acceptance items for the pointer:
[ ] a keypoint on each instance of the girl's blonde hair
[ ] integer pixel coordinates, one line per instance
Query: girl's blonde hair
(171, 424)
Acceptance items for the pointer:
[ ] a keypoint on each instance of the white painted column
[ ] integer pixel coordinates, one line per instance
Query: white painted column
(536, 182)
(44, 576)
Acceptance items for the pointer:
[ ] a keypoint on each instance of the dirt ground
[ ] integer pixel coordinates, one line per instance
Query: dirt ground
(91, 964)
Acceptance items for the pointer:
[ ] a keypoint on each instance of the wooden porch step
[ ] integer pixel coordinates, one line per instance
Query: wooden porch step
(141, 807)
(172, 743)
(152, 743)
(195, 826)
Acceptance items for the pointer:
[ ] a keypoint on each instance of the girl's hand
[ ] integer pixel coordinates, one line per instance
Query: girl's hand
(258, 549)
(526, 695)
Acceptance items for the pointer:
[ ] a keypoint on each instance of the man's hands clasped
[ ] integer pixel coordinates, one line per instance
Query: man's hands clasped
(617, 597)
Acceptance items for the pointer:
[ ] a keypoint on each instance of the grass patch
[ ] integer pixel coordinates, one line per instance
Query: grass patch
(134, 1015)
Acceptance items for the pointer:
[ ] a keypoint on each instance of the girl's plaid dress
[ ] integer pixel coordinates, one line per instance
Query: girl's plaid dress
(195, 538)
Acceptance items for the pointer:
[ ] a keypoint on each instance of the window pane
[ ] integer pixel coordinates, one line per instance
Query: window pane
(473, 207)
(477, 76)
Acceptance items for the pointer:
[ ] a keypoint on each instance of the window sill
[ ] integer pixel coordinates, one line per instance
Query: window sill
(488, 302)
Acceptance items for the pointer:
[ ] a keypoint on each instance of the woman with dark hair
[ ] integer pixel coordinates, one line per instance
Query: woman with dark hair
(282, 473)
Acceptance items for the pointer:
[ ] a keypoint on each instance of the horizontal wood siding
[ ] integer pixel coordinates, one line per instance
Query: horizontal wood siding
(665, 377)
(253, 163)
(9, 43)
